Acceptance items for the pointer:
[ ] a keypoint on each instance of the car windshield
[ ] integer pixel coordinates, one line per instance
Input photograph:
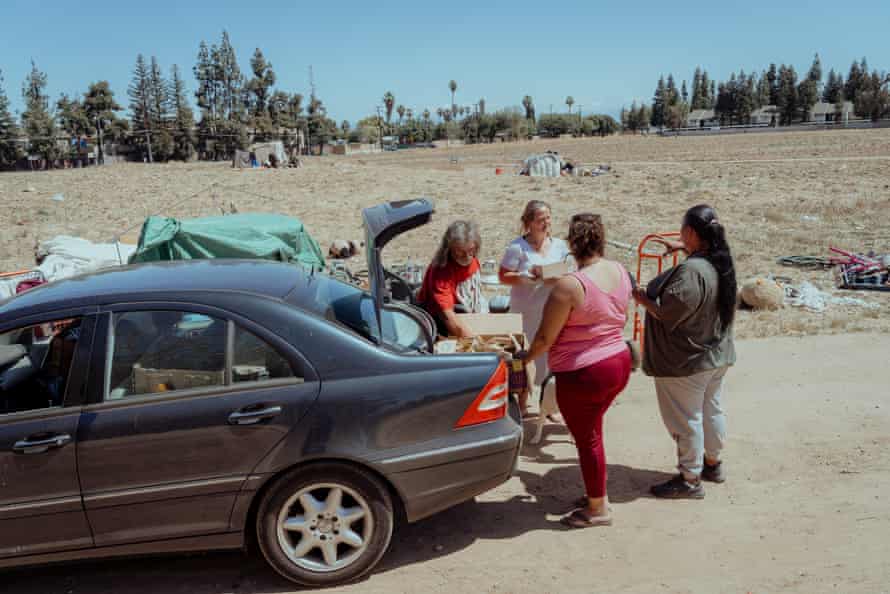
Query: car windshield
(348, 305)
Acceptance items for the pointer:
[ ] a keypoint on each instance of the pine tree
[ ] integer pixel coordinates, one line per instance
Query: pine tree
(787, 95)
(659, 104)
(9, 152)
(684, 93)
(139, 92)
(696, 88)
(834, 88)
(39, 124)
(854, 82)
(724, 105)
(642, 117)
(704, 93)
(100, 108)
(183, 118)
(712, 95)
(259, 87)
(159, 101)
(673, 96)
(763, 91)
(72, 116)
(873, 98)
(772, 77)
(810, 88)
(230, 79)
(230, 99)
(205, 94)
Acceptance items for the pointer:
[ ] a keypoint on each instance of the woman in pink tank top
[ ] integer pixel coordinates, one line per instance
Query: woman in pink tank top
(582, 331)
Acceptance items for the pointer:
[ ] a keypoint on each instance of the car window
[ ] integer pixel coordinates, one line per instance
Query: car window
(350, 306)
(162, 351)
(35, 362)
(254, 359)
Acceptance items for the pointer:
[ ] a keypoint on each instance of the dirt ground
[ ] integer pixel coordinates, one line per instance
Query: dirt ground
(805, 507)
(778, 194)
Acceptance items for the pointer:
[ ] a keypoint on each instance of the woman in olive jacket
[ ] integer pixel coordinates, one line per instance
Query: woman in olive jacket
(688, 348)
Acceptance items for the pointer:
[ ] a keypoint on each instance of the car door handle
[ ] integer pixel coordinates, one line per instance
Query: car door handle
(39, 446)
(250, 417)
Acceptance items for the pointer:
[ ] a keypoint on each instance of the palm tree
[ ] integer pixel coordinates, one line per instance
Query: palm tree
(453, 86)
(441, 113)
(410, 113)
(570, 101)
(426, 114)
(388, 101)
(401, 111)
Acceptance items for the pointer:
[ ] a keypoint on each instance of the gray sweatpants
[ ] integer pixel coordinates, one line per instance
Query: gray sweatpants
(690, 409)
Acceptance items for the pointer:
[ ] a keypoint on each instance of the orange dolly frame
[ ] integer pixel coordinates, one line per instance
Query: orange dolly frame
(642, 254)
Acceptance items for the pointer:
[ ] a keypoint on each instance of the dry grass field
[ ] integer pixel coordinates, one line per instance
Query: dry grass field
(805, 507)
(777, 193)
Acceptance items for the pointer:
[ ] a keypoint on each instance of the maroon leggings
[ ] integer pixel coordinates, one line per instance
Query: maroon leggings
(583, 396)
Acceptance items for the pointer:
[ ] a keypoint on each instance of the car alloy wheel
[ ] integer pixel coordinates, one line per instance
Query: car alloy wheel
(325, 527)
(325, 524)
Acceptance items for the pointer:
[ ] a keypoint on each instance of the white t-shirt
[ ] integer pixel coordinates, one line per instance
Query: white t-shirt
(529, 300)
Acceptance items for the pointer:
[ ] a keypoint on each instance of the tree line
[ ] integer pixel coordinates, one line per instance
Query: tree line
(788, 98)
(473, 124)
(158, 122)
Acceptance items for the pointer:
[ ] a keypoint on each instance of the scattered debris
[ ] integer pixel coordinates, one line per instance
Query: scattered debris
(58, 197)
(30, 189)
(869, 272)
(806, 262)
(807, 296)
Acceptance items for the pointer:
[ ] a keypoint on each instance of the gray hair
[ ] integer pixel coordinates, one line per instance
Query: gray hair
(457, 232)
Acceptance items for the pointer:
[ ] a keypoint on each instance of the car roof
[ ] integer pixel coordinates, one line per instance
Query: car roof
(262, 277)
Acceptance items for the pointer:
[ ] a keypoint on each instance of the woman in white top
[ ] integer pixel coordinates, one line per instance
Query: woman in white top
(521, 269)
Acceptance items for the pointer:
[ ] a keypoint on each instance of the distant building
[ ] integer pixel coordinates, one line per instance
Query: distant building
(767, 115)
(829, 112)
(702, 118)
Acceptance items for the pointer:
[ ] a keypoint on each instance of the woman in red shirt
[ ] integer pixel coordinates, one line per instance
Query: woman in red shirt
(453, 280)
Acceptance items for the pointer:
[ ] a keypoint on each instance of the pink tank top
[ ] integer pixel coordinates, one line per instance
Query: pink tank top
(594, 331)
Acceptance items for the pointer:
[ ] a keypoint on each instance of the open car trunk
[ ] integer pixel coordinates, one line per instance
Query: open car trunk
(382, 224)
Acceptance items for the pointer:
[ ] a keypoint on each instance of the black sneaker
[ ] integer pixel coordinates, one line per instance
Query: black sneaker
(713, 473)
(679, 488)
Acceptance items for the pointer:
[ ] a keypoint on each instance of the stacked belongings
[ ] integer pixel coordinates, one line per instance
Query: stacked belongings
(494, 333)
(546, 165)
(869, 272)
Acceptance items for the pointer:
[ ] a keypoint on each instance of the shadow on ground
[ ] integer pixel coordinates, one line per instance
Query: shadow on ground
(546, 497)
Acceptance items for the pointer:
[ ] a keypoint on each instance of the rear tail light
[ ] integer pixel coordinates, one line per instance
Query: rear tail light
(491, 403)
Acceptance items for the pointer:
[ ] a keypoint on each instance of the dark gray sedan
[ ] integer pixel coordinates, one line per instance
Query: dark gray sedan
(199, 405)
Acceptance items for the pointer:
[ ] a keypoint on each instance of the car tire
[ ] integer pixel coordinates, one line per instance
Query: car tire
(325, 524)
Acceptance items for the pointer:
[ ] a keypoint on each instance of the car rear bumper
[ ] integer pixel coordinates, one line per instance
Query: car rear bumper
(433, 481)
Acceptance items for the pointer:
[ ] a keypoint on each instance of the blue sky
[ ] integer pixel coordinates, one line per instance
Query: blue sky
(603, 54)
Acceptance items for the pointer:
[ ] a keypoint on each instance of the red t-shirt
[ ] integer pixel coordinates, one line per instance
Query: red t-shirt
(445, 287)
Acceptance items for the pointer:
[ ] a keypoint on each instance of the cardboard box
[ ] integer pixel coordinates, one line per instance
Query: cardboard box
(490, 324)
(495, 333)
(555, 270)
(150, 381)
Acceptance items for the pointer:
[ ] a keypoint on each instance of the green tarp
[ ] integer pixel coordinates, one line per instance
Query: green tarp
(250, 235)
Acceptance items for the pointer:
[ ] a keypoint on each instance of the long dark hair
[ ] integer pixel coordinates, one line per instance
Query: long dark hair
(703, 220)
